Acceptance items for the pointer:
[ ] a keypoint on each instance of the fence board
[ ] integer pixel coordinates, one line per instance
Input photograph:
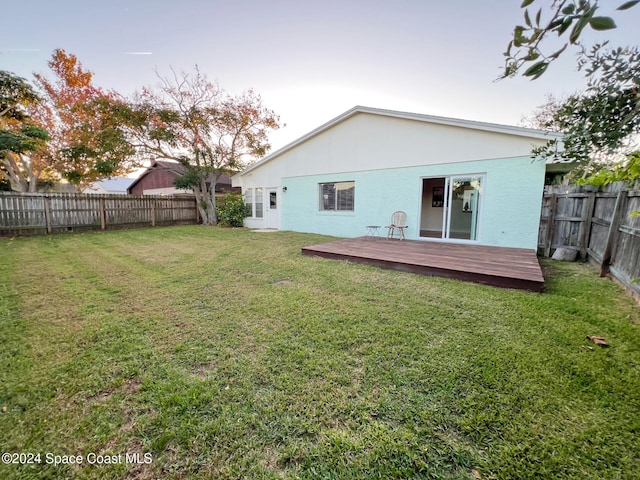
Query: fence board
(613, 234)
(587, 220)
(37, 213)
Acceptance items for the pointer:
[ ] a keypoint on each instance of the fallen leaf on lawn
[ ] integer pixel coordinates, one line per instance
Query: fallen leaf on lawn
(598, 340)
(475, 473)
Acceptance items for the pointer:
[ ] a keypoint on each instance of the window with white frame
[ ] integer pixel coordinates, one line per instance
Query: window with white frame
(259, 201)
(248, 201)
(337, 196)
(254, 202)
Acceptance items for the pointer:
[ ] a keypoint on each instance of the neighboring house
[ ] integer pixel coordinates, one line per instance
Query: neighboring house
(117, 185)
(158, 180)
(457, 180)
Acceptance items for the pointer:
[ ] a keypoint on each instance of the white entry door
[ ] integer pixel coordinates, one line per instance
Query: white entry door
(273, 208)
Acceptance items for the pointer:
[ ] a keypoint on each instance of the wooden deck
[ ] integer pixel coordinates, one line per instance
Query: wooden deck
(496, 266)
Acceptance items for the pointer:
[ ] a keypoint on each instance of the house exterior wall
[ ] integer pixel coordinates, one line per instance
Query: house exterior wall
(370, 142)
(388, 158)
(166, 191)
(510, 200)
(159, 181)
(153, 180)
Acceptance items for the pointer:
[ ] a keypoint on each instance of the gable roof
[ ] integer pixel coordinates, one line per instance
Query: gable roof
(455, 122)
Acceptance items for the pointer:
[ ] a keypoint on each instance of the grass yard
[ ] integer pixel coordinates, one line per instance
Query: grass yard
(213, 353)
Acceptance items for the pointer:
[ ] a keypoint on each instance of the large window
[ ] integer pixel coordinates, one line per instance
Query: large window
(337, 196)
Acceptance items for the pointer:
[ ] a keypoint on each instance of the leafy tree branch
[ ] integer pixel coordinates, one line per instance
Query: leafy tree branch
(525, 54)
(20, 137)
(601, 122)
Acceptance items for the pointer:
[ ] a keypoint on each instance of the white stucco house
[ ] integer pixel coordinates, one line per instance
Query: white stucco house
(457, 180)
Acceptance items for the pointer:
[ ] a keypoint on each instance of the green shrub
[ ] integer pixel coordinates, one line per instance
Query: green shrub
(231, 211)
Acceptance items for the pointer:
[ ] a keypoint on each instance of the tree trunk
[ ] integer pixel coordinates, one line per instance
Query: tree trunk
(206, 202)
(33, 181)
(212, 197)
(202, 207)
(16, 179)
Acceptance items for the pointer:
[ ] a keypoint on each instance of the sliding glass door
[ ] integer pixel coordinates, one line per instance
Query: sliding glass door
(450, 207)
(463, 194)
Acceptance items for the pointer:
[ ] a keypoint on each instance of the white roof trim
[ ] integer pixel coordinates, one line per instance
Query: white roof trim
(455, 122)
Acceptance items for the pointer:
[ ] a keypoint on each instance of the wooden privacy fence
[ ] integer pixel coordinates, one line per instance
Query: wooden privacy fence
(41, 213)
(598, 224)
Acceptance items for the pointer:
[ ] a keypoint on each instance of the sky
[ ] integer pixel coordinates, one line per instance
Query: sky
(309, 60)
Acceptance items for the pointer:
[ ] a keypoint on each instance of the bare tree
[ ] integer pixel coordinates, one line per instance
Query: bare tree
(191, 120)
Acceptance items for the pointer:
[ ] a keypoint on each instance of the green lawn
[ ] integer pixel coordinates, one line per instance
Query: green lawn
(225, 353)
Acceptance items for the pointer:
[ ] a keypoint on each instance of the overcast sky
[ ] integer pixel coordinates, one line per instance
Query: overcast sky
(309, 60)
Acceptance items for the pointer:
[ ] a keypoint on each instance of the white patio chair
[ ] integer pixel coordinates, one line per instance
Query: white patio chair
(399, 223)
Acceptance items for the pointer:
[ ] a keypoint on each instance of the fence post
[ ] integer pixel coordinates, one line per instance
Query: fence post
(153, 212)
(551, 224)
(589, 210)
(47, 214)
(612, 235)
(103, 215)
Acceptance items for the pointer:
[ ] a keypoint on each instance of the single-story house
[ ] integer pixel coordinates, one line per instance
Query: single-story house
(111, 186)
(457, 180)
(158, 179)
